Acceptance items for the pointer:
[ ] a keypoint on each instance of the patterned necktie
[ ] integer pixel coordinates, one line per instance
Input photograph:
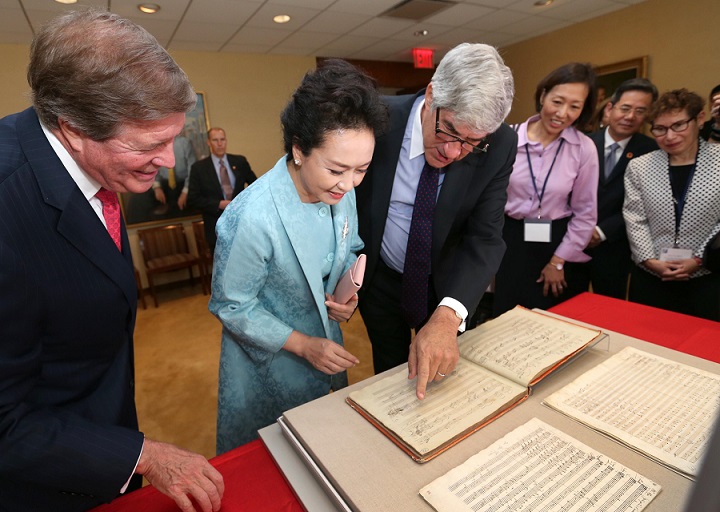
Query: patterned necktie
(111, 212)
(414, 299)
(610, 159)
(225, 181)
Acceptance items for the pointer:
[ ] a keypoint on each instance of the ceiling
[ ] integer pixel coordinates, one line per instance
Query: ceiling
(351, 29)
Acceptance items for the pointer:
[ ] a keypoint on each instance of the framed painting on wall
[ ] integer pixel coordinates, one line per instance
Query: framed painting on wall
(145, 209)
(612, 75)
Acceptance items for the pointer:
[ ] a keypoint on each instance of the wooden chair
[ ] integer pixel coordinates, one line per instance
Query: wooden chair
(165, 249)
(206, 256)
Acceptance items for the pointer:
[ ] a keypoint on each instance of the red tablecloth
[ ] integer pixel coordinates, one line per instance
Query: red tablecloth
(254, 483)
(689, 334)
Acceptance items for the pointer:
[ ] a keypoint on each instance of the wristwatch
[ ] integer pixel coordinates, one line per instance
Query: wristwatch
(558, 266)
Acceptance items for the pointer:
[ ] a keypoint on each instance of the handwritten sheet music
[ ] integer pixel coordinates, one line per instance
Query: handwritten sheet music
(659, 407)
(537, 468)
(468, 396)
(521, 344)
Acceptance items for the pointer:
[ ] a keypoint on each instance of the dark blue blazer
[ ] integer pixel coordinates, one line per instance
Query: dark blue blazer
(467, 242)
(205, 191)
(68, 426)
(611, 191)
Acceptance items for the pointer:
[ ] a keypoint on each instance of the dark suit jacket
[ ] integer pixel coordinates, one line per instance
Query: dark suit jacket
(711, 256)
(467, 243)
(205, 192)
(611, 191)
(68, 427)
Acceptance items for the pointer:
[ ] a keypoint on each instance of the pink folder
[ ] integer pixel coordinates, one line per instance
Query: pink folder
(351, 281)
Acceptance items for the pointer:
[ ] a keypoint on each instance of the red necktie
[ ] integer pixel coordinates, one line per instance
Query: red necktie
(111, 212)
(414, 295)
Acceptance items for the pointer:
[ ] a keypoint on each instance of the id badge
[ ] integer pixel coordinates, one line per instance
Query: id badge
(538, 230)
(675, 253)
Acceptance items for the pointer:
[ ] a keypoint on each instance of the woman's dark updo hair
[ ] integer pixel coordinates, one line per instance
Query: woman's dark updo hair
(334, 96)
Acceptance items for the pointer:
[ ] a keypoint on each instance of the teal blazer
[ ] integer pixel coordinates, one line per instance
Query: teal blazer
(264, 287)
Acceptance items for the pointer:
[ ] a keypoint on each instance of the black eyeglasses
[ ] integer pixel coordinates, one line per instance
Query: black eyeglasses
(680, 126)
(480, 147)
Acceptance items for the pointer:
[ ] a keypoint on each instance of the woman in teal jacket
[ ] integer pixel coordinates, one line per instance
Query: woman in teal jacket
(283, 244)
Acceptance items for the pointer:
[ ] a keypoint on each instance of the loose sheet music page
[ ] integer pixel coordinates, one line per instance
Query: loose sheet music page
(450, 407)
(537, 468)
(520, 344)
(659, 407)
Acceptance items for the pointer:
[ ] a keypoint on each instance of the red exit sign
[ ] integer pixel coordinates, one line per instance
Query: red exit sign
(423, 58)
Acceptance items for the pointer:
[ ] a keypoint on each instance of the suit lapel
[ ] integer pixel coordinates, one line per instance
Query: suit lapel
(599, 139)
(213, 177)
(341, 225)
(627, 154)
(77, 223)
(234, 167)
(385, 162)
(458, 177)
(288, 204)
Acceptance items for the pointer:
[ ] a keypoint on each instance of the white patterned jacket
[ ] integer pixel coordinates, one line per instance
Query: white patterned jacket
(649, 211)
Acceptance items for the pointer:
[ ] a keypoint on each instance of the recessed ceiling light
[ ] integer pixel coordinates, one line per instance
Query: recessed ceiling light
(281, 18)
(66, 1)
(543, 3)
(420, 33)
(149, 8)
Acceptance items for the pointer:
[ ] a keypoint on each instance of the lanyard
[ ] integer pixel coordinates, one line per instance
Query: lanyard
(541, 194)
(679, 202)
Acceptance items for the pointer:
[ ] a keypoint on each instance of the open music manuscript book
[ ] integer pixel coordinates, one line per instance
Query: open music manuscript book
(500, 361)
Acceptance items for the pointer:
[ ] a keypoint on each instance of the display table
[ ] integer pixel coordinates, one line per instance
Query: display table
(689, 334)
(254, 483)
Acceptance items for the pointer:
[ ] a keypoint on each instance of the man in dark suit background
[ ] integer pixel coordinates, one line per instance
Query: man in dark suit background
(107, 102)
(609, 268)
(451, 133)
(216, 180)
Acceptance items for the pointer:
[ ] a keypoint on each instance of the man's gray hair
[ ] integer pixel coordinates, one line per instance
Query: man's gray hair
(97, 71)
(473, 82)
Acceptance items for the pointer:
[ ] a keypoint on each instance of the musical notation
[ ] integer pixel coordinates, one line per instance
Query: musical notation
(662, 408)
(540, 469)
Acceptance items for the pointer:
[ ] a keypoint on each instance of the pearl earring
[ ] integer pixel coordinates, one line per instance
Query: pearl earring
(297, 162)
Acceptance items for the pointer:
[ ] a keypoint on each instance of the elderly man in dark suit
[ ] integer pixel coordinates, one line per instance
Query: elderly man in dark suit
(216, 180)
(431, 212)
(617, 144)
(107, 102)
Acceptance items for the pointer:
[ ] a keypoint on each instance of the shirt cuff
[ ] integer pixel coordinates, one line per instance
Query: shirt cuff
(456, 306)
(124, 487)
(600, 232)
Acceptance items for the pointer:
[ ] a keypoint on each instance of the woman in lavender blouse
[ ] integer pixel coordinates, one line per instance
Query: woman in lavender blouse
(551, 209)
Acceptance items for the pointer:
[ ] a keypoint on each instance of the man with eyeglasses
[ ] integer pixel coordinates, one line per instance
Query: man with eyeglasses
(617, 144)
(672, 211)
(431, 212)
